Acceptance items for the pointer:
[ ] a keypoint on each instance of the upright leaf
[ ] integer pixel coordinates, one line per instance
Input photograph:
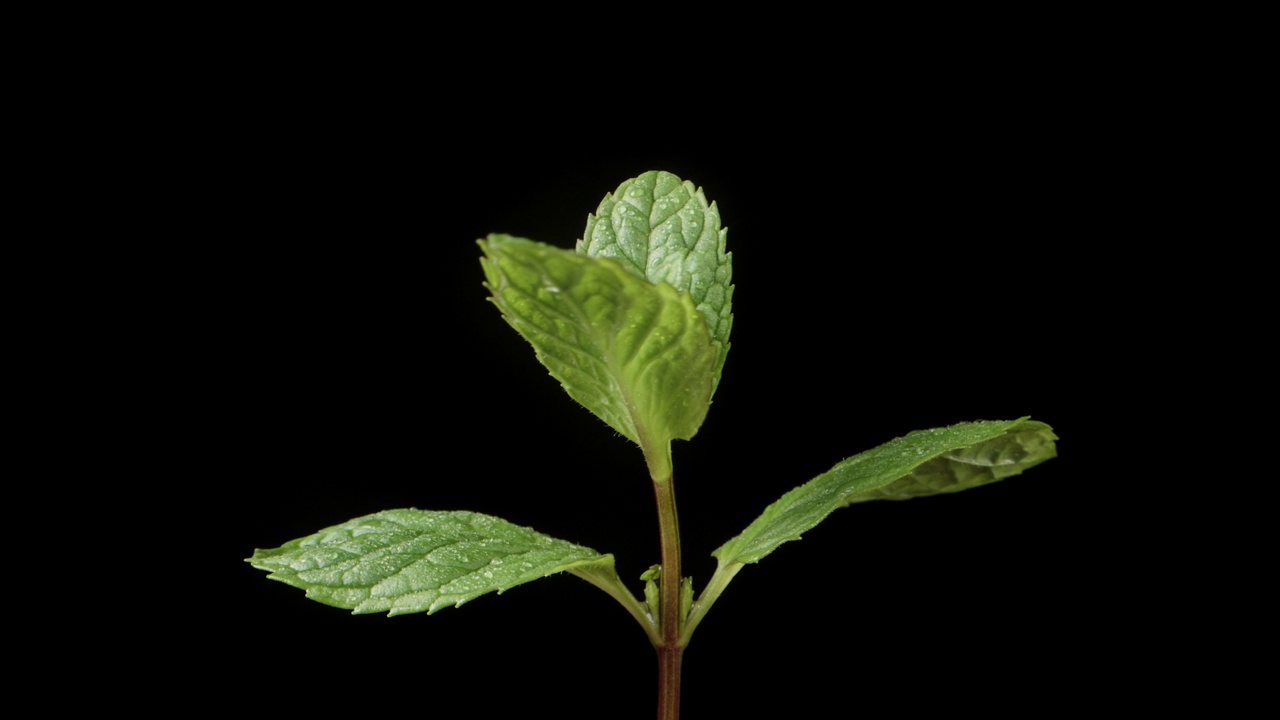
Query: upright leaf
(993, 450)
(637, 355)
(662, 228)
(408, 561)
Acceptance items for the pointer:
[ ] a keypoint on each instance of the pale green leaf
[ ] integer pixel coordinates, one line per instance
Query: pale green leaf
(662, 228)
(652, 597)
(686, 597)
(636, 354)
(971, 454)
(409, 560)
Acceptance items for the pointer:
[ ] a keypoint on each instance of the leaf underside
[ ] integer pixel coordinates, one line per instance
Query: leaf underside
(410, 560)
(925, 462)
(1021, 447)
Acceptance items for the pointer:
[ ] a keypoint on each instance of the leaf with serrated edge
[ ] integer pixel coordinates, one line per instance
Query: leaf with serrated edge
(662, 228)
(1012, 446)
(410, 560)
(636, 354)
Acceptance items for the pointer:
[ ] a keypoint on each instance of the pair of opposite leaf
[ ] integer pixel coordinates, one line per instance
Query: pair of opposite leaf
(635, 325)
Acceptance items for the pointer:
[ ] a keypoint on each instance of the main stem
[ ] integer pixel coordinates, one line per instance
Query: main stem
(671, 647)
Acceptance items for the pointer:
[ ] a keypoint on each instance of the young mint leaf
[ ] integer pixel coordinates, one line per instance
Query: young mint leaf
(661, 228)
(986, 450)
(637, 355)
(408, 561)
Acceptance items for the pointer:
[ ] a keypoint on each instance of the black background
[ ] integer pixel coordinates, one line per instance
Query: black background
(909, 251)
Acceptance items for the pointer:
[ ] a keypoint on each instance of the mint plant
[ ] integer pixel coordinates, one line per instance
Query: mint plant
(634, 323)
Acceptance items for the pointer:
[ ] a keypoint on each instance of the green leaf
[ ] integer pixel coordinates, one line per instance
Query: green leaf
(662, 228)
(923, 462)
(652, 597)
(1025, 446)
(637, 355)
(409, 560)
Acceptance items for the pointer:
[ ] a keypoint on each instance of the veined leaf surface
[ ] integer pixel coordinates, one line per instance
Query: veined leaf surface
(920, 463)
(410, 560)
(636, 354)
(662, 228)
